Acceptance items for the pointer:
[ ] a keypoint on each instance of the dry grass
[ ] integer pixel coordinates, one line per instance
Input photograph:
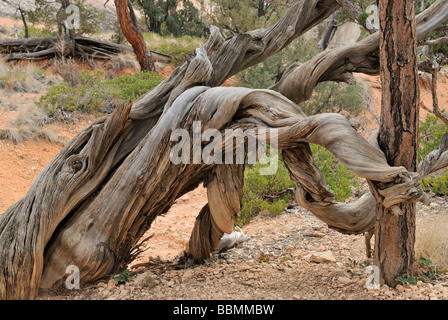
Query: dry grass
(30, 124)
(123, 61)
(69, 70)
(19, 78)
(432, 241)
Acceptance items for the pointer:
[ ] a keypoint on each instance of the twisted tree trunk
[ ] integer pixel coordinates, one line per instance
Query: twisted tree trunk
(93, 202)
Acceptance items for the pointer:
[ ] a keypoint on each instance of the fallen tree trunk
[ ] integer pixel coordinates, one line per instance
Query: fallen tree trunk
(93, 202)
(44, 48)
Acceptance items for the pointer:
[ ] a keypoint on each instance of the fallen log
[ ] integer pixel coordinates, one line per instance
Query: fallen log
(42, 48)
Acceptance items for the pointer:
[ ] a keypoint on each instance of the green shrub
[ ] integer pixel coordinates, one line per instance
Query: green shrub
(266, 193)
(36, 32)
(334, 97)
(266, 73)
(133, 86)
(339, 178)
(431, 133)
(89, 95)
(178, 48)
(438, 185)
(123, 277)
(261, 192)
(94, 94)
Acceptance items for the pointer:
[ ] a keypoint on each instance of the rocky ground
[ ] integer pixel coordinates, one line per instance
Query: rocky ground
(292, 256)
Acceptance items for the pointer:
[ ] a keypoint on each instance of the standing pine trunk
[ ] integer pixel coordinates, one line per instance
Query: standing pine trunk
(398, 134)
(133, 35)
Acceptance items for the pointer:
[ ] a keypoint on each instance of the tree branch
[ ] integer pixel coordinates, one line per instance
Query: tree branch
(433, 42)
(299, 80)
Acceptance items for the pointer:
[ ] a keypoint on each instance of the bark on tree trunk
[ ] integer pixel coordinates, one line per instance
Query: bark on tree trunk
(133, 35)
(398, 134)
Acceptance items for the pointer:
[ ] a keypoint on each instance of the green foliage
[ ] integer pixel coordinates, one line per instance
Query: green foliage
(178, 48)
(361, 6)
(427, 271)
(438, 185)
(339, 178)
(209, 262)
(353, 263)
(165, 18)
(407, 280)
(263, 258)
(438, 48)
(46, 13)
(94, 94)
(332, 97)
(266, 193)
(266, 73)
(431, 133)
(133, 86)
(241, 16)
(328, 96)
(36, 32)
(123, 277)
(427, 4)
(261, 192)
(12, 78)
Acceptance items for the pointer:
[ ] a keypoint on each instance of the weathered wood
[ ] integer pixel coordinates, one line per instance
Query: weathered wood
(94, 201)
(34, 48)
(28, 225)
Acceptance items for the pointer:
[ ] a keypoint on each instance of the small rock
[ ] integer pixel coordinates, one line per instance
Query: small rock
(413, 287)
(434, 205)
(321, 257)
(111, 284)
(433, 297)
(439, 287)
(345, 280)
(139, 278)
(124, 293)
(170, 283)
(243, 267)
(400, 288)
(187, 275)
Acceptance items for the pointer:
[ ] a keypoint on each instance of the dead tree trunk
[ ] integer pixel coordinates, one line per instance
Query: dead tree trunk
(92, 203)
(133, 35)
(398, 134)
